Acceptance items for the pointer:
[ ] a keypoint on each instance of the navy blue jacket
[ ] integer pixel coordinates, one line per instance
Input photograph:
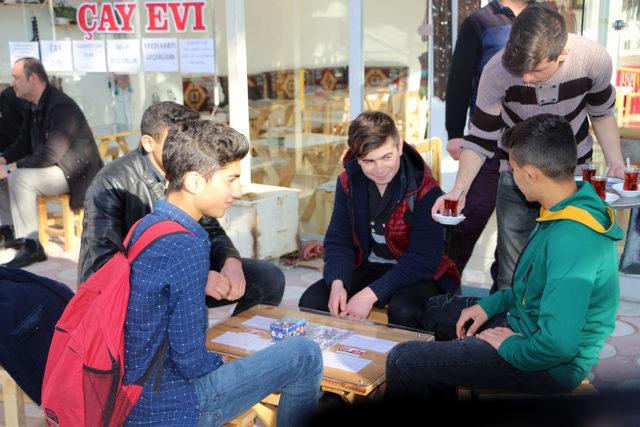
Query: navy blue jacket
(30, 306)
(483, 34)
(348, 237)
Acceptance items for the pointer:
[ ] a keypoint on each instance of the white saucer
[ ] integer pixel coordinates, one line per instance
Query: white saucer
(611, 180)
(619, 187)
(450, 220)
(611, 197)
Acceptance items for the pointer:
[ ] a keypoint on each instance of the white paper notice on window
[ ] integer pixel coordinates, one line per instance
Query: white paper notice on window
(343, 362)
(57, 55)
(19, 50)
(260, 322)
(160, 55)
(89, 56)
(369, 343)
(123, 55)
(196, 56)
(244, 341)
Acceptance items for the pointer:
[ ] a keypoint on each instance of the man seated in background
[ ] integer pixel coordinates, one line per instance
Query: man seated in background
(543, 334)
(54, 154)
(128, 188)
(382, 246)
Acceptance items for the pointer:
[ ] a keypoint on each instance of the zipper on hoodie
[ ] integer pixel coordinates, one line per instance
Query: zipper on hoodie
(526, 276)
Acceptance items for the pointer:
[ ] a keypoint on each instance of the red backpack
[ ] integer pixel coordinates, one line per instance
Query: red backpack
(85, 368)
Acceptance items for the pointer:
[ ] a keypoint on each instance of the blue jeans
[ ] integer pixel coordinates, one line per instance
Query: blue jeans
(417, 369)
(293, 367)
(265, 285)
(516, 219)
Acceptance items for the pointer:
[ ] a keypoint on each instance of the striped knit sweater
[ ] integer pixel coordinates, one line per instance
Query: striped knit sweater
(580, 90)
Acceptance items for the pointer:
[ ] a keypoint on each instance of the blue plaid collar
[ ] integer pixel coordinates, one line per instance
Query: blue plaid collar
(174, 213)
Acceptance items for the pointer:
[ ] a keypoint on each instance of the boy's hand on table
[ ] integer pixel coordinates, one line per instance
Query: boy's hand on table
(337, 298)
(359, 306)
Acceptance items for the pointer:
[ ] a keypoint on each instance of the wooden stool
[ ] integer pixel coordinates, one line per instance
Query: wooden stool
(246, 419)
(13, 399)
(66, 226)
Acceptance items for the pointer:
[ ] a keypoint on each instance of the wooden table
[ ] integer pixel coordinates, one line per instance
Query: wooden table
(109, 134)
(367, 383)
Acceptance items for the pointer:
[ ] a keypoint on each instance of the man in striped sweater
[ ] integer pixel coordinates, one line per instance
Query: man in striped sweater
(541, 70)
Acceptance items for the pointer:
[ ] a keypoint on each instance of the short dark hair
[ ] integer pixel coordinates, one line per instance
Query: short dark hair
(545, 141)
(163, 115)
(200, 146)
(538, 33)
(369, 131)
(34, 66)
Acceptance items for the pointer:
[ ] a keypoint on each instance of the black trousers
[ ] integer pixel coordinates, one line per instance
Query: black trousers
(405, 306)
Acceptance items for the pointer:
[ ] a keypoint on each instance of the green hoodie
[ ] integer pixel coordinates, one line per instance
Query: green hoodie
(565, 293)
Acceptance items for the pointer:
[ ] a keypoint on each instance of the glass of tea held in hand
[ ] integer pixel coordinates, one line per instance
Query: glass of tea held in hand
(630, 180)
(588, 172)
(600, 184)
(450, 207)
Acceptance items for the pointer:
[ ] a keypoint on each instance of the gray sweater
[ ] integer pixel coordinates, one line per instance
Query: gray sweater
(580, 90)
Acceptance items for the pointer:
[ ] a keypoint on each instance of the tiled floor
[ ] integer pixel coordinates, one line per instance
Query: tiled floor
(618, 369)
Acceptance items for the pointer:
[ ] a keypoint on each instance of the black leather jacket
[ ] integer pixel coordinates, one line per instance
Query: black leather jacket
(124, 191)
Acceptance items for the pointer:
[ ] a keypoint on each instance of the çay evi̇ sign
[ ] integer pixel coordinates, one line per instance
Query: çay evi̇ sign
(161, 16)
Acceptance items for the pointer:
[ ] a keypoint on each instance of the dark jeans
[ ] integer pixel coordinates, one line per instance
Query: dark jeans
(405, 305)
(265, 285)
(516, 219)
(422, 369)
(479, 205)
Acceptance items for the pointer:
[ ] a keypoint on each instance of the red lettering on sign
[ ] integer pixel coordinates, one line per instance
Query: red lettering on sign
(108, 23)
(157, 17)
(198, 23)
(118, 17)
(87, 19)
(125, 10)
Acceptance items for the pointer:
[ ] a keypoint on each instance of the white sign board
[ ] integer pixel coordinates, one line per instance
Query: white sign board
(18, 50)
(57, 55)
(196, 56)
(123, 55)
(89, 56)
(160, 55)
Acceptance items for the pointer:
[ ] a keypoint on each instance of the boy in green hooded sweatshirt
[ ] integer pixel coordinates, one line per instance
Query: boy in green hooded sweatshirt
(545, 333)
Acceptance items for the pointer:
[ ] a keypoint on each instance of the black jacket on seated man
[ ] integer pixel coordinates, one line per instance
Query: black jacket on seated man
(56, 133)
(125, 191)
(12, 111)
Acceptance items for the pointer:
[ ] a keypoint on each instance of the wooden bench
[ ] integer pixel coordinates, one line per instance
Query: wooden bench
(468, 393)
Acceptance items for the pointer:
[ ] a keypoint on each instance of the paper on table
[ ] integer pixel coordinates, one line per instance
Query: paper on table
(260, 322)
(245, 341)
(343, 362)
(374, 344)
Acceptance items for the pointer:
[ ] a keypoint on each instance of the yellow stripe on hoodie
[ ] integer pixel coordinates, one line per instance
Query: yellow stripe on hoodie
(579, 215)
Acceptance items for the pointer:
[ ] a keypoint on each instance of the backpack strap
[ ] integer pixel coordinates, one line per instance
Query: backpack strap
(150, 235)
